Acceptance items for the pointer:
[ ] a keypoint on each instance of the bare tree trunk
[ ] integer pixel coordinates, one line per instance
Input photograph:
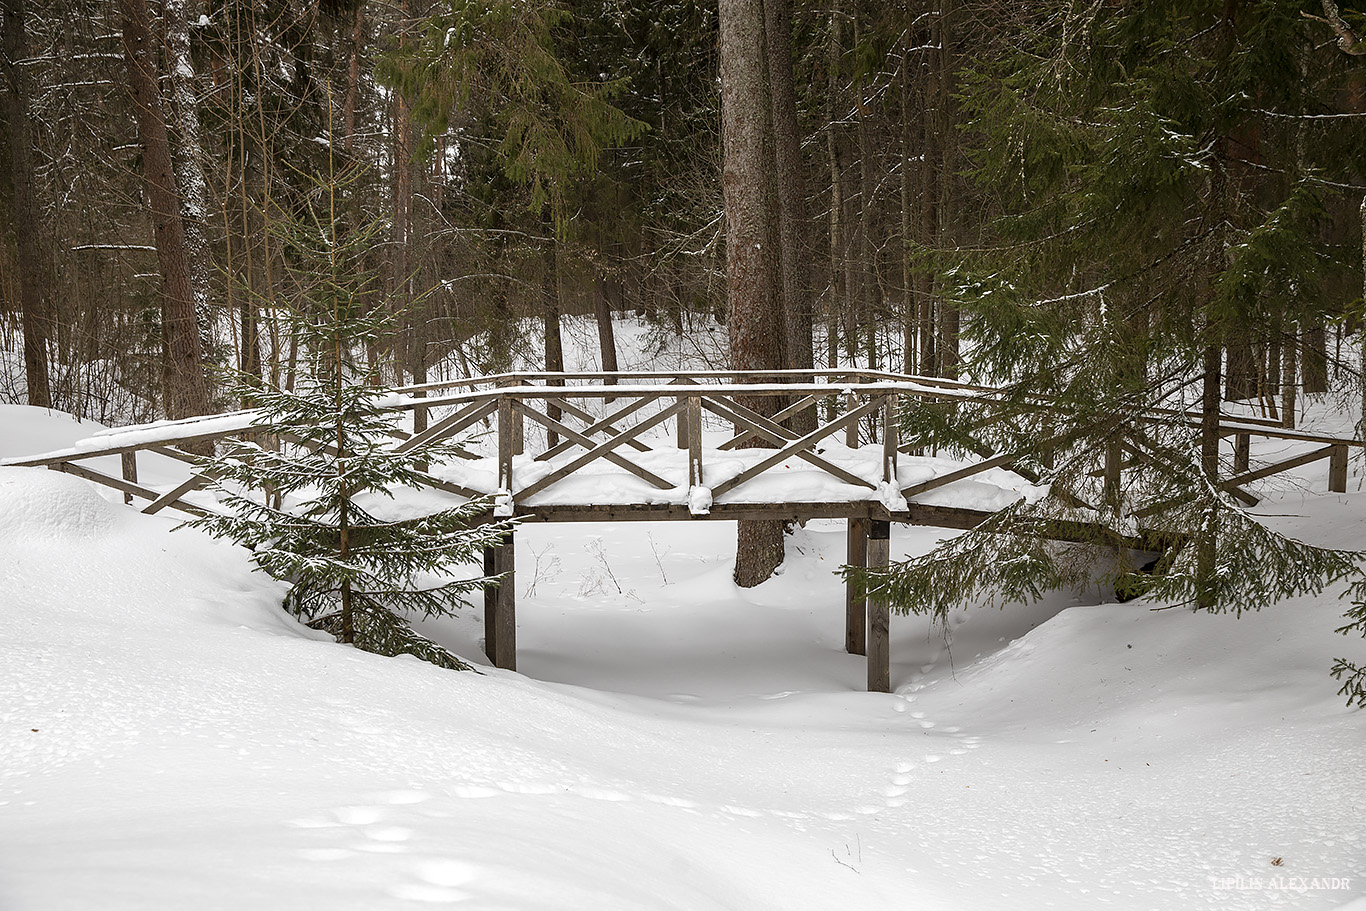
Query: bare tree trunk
(947, 347)
(550, 316)
(791, 188)
(186, 390)
(1315, 361)
(1290, 348)
(1209, 466)
(29, 249)
(836, 195)
(908, 323)
(751, 236)
(607, 340)
(194, 189)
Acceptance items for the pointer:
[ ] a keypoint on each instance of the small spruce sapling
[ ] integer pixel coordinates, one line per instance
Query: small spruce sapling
(317, 508)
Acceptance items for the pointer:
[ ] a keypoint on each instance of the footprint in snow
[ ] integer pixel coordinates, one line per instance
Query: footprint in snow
(439, 882)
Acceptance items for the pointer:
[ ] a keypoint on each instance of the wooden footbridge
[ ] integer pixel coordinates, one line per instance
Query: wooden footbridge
(614, 447)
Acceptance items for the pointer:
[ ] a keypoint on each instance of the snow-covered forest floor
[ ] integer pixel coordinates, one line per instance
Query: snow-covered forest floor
(172, 740)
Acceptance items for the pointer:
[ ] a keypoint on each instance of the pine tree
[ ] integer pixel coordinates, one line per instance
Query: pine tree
(317, 510)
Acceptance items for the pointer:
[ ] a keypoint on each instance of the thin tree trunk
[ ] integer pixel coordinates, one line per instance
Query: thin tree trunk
(186, 390)
(1209, 466)
(194, 189)
(1290, 347)
(29, 248)
(908, 325)
(947, 347)
(554, 346)
(751, 236)
(1315, 361)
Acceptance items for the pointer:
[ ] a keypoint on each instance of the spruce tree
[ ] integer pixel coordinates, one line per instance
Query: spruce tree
(316, 507)
(1163, 192)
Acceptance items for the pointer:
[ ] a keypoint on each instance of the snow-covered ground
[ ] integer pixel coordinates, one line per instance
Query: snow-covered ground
(171, 740)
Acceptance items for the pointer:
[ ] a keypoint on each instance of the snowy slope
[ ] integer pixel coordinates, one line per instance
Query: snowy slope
(169, 739)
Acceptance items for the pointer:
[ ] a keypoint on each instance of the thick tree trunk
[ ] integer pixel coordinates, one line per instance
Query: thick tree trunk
(186, 389)
(32, 275)
(791, 187)
(751, 239)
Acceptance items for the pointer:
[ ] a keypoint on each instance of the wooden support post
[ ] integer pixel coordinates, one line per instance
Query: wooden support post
(500, 604)
(130, 472)
(879, 619)
(420, 425)
(891, 438)
(490, 603)
(509, 427)
(692, 419)
(855, 614)
(1242, 452)
(1337, 469)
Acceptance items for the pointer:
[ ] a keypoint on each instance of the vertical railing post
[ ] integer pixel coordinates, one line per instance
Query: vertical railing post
(855, 614)
(516, 434)
(1337, 469)
(1114, 460)
(879, 615)
(508, 425)
(890, 438)
(129, 460)
(693, 416)
(1242, 452)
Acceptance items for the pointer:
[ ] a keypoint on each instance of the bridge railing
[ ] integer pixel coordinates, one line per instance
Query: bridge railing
(585, 419)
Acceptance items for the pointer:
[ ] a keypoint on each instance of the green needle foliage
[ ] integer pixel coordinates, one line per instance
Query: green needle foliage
(1169, 206)
(316, 504)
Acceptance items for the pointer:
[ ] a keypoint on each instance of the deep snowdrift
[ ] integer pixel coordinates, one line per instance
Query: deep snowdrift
(170, 739)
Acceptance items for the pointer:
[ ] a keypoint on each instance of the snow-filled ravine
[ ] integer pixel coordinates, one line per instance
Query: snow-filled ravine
(169, 739)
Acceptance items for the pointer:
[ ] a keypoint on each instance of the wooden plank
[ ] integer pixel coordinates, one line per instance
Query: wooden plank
(946, 479)
(796, 407)
(91, 474)
(1267, 471)
(795, 448)
(450, 425)
(620, 461)
(1230, 485)
(775, 433)
(512, 431)
(879, 619)
(1337, 469)
(591, 420)
(855, 612)
(596, 452)
(606, 425)
(682, 432)
(194, 482)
